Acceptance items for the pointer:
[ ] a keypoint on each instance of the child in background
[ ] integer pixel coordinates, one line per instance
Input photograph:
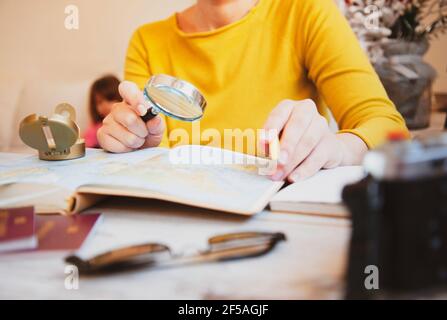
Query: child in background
(103, 94)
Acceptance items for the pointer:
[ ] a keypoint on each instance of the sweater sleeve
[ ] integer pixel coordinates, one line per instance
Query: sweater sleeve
(343, 75)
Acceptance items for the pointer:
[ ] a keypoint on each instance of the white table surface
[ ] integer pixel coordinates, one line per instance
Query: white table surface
(310, 264)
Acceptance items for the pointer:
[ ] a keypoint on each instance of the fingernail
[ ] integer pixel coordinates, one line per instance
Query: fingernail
(278, 175)
(283, 157)
(142, 109)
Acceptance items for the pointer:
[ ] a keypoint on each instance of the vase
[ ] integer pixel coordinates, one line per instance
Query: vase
(408, 80)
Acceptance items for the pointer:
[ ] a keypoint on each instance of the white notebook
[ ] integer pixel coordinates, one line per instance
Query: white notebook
(320, 194)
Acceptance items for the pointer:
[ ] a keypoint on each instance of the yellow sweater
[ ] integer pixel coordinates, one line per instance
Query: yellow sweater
(282, 49)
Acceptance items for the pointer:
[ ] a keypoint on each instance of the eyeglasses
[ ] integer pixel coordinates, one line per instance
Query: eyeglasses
(224, 247)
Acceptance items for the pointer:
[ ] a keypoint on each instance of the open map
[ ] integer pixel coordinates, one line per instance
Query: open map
(231, 186)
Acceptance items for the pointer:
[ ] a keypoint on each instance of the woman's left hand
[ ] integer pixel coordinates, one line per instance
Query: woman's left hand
(307, 144)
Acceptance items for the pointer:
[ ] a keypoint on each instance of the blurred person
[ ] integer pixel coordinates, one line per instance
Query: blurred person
(272, 64)
(103, 95)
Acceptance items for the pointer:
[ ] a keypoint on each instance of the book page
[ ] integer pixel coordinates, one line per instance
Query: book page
(50, 185)
(219, 179)
(69, 174)
(325, 187)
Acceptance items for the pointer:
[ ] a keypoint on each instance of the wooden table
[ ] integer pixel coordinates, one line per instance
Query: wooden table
(310, 264)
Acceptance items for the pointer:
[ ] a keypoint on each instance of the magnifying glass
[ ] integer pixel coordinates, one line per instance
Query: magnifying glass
(174, 98)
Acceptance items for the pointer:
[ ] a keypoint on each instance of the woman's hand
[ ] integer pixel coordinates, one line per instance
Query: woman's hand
(307, 144)
(123, 130)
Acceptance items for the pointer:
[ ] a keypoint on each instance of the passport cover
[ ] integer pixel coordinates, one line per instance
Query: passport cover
(56, 232)
(17, 229)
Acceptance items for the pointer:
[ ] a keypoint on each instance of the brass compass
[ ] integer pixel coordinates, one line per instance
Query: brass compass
(56, 137)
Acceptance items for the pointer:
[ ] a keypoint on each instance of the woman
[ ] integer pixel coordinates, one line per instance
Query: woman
(265, 63)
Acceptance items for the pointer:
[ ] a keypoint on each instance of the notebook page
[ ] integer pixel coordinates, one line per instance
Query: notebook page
(325, 187)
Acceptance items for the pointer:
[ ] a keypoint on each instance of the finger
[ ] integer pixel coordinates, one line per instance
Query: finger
(307, 143)
(130, 93)
(335, 150)
(156, 128)
(120, 133)
(274, 124)
(299, 122)
(268, 143)
(311, 165)
(126, 116)
(133, 96)
(277, 118)
(111, 144)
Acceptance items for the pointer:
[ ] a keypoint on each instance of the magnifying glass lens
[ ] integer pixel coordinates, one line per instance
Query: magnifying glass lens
(173, 103)
(174, 98)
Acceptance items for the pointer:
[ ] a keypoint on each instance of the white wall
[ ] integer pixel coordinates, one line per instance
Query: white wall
(36, 45)
(437, 57)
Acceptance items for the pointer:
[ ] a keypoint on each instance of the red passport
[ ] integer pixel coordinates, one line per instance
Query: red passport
(64, 233)
(17, 229)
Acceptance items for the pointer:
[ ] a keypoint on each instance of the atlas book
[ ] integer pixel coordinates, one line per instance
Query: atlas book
(198, 176)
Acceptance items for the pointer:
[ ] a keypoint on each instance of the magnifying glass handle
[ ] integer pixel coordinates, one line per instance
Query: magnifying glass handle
(151, 113)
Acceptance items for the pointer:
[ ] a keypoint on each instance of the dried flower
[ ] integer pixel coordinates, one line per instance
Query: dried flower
(378, 21)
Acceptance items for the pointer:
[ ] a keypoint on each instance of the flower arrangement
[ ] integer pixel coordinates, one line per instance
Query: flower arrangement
(395, 35)
(375, 21)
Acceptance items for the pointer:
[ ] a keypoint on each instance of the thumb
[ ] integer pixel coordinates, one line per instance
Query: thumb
(133, 96)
